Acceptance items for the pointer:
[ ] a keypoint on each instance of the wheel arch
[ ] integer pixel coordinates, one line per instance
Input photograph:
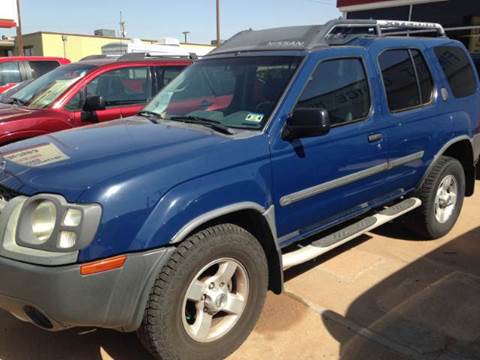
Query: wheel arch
(461, 149)
(260, 222)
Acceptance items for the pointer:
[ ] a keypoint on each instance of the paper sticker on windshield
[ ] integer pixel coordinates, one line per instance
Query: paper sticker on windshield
(256, 118)
(40, 155)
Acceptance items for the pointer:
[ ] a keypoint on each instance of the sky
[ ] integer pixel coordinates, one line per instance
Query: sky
(154, 19)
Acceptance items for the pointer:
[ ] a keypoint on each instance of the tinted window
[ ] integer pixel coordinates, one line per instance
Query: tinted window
(42, 67)
(424, 76)
(9, 73)
(400, 80)
(122, 86)
(42, 92)
(167, 74)
(457, 69)
(239, 92)
(341, 88)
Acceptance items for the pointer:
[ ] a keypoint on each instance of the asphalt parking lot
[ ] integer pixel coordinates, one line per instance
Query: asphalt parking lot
(387, 295)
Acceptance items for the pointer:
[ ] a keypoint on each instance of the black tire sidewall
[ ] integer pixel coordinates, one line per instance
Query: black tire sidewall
(434, 227)
(240, 246)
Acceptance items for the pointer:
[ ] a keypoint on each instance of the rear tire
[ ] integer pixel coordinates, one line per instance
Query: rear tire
(442, 195)
(195, 309)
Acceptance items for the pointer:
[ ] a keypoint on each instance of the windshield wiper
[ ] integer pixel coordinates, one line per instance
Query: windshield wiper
(151, 114)
(197, 120)
(14, 100)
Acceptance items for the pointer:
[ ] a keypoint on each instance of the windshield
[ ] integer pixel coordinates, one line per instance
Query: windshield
(41, 92)
(235, 92)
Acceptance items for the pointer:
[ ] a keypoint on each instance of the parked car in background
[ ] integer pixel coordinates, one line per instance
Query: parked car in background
(277, 147)
(16, 69)
(6, 96)
(83, 93)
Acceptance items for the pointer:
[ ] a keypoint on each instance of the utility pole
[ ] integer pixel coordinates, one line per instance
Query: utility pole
(123, 27)
(185, 34)
(19, 39)
(218, 23)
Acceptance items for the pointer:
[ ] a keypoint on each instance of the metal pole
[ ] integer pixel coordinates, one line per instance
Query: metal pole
(218, 23)
(410, 12)
(19, 39)
(185, 34)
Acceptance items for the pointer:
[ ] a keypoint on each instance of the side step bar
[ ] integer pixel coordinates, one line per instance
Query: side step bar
(330, 242)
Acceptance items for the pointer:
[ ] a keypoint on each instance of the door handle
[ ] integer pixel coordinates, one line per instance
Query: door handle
(375, 137)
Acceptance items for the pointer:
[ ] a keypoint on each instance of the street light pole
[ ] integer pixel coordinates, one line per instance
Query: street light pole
(19, 39)
(218, 23)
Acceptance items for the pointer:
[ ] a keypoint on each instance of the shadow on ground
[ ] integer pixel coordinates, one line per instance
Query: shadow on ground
(430, 309)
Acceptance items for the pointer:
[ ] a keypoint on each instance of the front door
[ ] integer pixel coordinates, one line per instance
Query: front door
(321, 180)
(125, 92)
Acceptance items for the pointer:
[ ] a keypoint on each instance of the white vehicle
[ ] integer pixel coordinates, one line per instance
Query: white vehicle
(164, 47)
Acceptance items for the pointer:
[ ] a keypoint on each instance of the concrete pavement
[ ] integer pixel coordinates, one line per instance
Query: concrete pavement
(387, 295)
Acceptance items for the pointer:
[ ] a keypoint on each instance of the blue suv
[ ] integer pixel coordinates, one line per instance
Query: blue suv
(277, 147)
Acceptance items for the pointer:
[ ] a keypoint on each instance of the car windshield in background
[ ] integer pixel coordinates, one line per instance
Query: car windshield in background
(240, 92)
(41, 92)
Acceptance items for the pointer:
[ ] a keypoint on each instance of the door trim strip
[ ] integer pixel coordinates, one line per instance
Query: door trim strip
(348, 179)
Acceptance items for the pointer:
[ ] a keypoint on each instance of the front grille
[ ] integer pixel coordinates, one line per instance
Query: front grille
(8, 194)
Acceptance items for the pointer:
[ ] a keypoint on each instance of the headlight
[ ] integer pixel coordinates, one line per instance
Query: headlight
(51, 224)
(44, 218)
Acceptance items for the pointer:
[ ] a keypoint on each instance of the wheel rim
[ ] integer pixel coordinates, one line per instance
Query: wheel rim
(215, 300)
(446, 199)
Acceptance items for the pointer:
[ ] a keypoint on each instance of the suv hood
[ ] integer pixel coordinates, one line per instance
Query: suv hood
(73, 161)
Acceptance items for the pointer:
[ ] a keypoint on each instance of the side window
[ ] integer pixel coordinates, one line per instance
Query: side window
(42, 67)
(10, 73)
(457, 69)
(167, 74)
(340, 87)
(125, 86)
(424, 76)
(75, 103)
(400, 80)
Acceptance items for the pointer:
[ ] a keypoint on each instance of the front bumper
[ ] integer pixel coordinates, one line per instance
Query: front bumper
(57, 298)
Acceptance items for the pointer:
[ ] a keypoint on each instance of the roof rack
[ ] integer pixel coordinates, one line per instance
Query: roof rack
(335, 32)
(381, 28)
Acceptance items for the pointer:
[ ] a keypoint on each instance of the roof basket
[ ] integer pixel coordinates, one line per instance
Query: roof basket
(350, 29)
(145, 55)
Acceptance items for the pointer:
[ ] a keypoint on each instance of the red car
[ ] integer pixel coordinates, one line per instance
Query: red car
(83, 93)
(21, 68)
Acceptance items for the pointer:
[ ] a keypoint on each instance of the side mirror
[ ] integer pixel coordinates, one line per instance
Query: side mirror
(94, 103)
(306, 122)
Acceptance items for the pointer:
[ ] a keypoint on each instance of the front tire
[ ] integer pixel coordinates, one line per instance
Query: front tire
(208, 297)
(442, 195)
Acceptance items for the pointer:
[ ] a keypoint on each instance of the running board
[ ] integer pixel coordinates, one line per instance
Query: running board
(330, 242)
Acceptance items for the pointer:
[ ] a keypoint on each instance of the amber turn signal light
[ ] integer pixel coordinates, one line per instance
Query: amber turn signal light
(103, 265)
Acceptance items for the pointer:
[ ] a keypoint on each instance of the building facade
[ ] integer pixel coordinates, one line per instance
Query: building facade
(452, 14)
(75, 46)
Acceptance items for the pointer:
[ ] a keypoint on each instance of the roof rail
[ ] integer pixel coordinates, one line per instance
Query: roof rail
(146, 55)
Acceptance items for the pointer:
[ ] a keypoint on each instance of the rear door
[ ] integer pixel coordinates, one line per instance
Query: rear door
(412, 108)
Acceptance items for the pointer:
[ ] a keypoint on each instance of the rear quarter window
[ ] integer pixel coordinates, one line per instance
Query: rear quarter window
(42, 67)
(458, 70)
